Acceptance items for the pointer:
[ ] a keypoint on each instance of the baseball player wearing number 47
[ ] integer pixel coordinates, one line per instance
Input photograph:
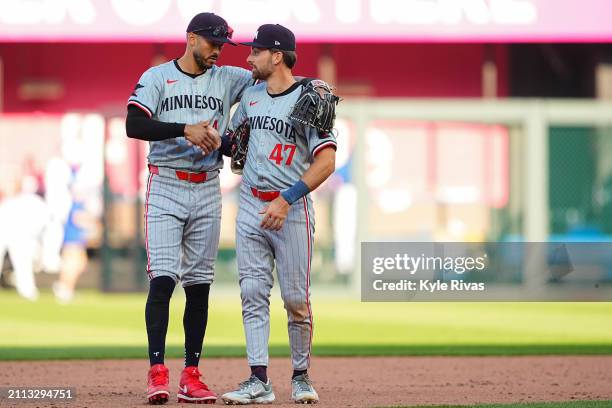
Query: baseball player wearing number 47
(285, 160)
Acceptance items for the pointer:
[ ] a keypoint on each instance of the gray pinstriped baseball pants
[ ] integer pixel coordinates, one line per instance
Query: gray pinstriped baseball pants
(182, 227)
(290, 249)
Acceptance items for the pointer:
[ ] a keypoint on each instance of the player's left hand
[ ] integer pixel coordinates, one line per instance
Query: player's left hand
(274, 214)
(213, 137)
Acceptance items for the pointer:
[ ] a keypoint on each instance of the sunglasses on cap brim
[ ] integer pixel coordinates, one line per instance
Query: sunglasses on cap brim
(217, 31)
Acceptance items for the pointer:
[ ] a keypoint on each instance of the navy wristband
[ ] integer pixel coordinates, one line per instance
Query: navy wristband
(295, 192)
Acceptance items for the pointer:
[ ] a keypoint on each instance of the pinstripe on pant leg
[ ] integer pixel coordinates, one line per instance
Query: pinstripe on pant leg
(293, 249)
(201, 234)
(165, 219)
(255, 263)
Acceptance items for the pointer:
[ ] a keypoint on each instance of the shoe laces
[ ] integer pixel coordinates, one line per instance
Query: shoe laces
(193, 378)
(303, 383)
(159, 377)
(250, 383)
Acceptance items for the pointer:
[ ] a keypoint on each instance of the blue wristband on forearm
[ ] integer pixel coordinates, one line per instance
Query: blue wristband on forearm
(295, 192)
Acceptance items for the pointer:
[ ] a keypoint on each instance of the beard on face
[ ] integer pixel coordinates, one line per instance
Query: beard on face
(200, 61)
(261, 74)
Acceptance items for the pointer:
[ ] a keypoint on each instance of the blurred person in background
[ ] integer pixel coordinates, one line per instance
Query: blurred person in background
(24, 217)
(59, 201)
(66, 194)
(74, 244)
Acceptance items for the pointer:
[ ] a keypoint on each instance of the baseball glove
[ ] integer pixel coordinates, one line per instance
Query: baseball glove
(316, 106)
(240, 146)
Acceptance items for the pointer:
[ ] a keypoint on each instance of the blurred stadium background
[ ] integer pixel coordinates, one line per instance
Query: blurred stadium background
(480, 120)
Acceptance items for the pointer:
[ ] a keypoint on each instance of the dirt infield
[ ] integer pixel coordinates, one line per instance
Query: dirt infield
(341, 382)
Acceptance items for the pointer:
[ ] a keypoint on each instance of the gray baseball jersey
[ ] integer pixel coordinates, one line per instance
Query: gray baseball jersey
(168, 94)
(183, 219)
(279, 153)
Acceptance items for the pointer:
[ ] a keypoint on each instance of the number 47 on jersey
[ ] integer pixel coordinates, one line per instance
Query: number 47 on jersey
(282, 153)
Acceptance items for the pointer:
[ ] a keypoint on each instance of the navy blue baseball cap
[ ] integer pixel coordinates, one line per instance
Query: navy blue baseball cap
(273, 36)
(212, 27)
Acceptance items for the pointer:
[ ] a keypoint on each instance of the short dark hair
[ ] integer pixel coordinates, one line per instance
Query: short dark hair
(289, 57)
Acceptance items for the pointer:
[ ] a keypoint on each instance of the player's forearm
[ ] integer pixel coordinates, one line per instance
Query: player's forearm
(323, 166)
(139, 126)
(152, 130)
(226, 145)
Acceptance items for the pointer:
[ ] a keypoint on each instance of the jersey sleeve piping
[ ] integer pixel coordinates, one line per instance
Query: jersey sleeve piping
(141, 106)
(323, 145)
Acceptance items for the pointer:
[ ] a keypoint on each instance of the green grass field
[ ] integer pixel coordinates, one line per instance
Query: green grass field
(103, 326)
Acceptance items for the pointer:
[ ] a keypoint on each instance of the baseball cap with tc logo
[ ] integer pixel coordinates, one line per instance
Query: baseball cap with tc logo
(273, 36)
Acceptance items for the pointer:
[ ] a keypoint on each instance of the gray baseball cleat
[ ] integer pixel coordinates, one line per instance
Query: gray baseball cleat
(251, 391)
(302, 391)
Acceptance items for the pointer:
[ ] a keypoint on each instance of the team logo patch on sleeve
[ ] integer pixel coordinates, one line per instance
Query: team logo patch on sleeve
(136, 88)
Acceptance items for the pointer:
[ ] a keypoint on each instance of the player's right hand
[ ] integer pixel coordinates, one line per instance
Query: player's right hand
(275, 214)
(203, 136)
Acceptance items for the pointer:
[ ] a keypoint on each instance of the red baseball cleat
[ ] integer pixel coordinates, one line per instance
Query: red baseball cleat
(192, 390)
(157, 385)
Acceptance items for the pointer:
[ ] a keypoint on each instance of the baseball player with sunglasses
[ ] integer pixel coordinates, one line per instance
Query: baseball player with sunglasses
(180, 107)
